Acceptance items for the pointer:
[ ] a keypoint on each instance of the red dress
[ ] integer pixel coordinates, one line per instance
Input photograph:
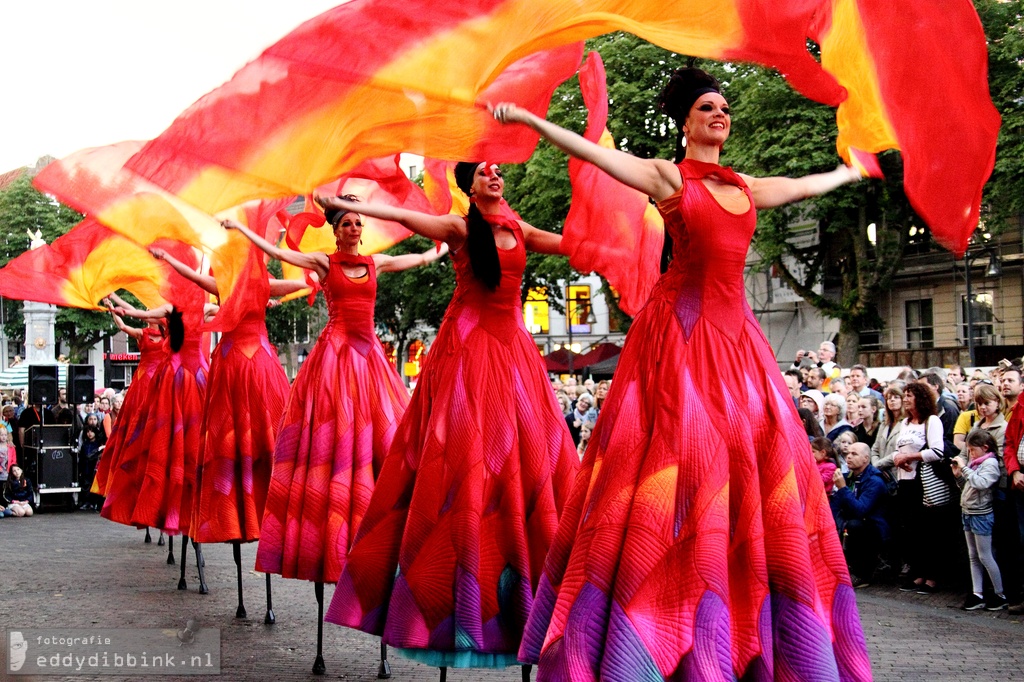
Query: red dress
(342, 414)
(470, 494)
(154, 481)
(245, 401)
(698, 542)
(135, 408)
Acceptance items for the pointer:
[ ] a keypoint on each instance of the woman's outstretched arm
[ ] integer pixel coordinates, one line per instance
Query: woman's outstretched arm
(317, 262)
(657, 178)
(158, 313)
(776, 191)
(541, 241)
(133, 332)
(450, 229)
(207, 283)
(283, 287)
(386, 263)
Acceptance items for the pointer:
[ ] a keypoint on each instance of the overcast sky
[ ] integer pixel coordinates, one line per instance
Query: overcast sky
(84, 73)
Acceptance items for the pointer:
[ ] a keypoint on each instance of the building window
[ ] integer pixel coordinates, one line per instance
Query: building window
(577, 307)
(981, 319)
(613, 320)
(920, 332)
(535, 311)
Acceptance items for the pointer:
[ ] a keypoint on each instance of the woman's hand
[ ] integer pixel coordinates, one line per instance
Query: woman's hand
(337, 203)
(230, 224)
(506, 112)
(157, 253)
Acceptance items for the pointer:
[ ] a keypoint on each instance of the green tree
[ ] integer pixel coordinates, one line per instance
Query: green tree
(414, 300)
(1004, 26)
(539, 189)
(777, 131)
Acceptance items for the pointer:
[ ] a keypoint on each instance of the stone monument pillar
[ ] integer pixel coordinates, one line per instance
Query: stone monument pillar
(40, 339)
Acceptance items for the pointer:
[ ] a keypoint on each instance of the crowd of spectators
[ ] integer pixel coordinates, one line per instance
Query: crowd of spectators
(923, 474)
(89, 427)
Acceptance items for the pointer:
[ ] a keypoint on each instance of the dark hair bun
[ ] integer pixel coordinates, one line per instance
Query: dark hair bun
(333, 214)
(683, 89)
(464, 172)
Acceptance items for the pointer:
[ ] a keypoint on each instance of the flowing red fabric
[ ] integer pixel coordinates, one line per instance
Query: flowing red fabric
(377, 181)
(611, 228)
(81, 267)
(300, 114)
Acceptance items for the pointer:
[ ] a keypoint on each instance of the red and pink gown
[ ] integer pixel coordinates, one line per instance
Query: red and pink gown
(698, 542)
(154, 481)
(135, 408)
(245, 400)
(341, 417)
(470, 494)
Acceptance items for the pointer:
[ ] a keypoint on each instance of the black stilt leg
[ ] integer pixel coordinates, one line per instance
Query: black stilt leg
(527, 669)
(149, 538)
(200, 563)
(182, 585)
(318, 665)
(444, 674)
(269, 618)
(160, 540)
(236, 549)
(170, 550)
(384, 670)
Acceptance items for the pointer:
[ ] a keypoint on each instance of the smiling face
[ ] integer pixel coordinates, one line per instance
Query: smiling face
(488, 183)
(709, 120)
(347, 230)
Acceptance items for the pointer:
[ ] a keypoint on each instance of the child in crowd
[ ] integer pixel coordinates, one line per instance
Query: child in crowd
(977, 479)
(8, 455)
(585, 430)
(825, 456)
(842, 444)
(18, 493)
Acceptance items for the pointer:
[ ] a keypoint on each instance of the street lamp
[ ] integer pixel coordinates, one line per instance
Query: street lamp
(995, 269)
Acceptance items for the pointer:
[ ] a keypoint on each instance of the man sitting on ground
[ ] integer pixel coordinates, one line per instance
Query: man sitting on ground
(861, 502)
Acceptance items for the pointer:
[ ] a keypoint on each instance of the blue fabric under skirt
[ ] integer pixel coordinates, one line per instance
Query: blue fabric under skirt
(458, 659)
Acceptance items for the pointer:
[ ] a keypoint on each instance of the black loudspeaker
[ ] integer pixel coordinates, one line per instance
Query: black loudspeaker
(81, 386)
(55, 467)
(42, 384)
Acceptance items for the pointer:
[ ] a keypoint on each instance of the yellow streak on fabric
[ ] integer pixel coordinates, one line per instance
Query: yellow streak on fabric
(862, 119)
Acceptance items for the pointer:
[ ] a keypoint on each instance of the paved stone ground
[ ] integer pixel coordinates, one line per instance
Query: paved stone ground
(78, 570)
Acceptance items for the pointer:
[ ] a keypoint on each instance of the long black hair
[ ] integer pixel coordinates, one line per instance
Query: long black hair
(483, 252)
(175, 329)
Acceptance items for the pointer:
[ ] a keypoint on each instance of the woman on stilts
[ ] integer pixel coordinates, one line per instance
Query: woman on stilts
(340, 418)
(688, 550)
(153, 483)
(152, 343)
(245, 399)
(446, 561)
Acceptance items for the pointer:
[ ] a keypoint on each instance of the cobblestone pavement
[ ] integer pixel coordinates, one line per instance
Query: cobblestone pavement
(80, 571)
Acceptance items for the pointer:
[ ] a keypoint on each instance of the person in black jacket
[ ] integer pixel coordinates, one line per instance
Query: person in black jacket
(861, 502)
(18, 493)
